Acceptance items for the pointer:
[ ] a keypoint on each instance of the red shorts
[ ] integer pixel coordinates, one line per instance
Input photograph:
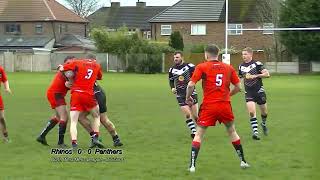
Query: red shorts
(56, 99)
(209, 114)
(82, 102)
(1, 103)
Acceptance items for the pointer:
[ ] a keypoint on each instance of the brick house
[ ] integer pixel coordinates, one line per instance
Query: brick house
(202, 22)
(135, 18)
(28, 24)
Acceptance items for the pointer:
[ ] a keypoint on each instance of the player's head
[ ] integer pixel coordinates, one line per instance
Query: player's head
(68, 58)
(211, 52)
(247, 54)
(178, 57)
(90, 56)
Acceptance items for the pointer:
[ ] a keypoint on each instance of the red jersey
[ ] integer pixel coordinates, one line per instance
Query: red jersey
(58, 84)
(216, 78)
(3, 75)
(86, 72)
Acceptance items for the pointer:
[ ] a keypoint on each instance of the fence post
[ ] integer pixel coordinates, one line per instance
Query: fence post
(31, 69)
(127, 61)
(163, 62)
(107, 61)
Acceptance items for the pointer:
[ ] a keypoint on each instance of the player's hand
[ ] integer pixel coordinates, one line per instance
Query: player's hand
(68, 84)
(251, 76)
(60, 67)
(189, 101)
(174, 90)
(8, 91)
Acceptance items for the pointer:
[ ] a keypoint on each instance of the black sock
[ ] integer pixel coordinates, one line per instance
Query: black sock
(48, 127)
(264, 119)
(194, 153)
(238, 147)
(114, 138)
(74, 143)
(94, 135)
(254, 125)
(62, 131)
(191, 126)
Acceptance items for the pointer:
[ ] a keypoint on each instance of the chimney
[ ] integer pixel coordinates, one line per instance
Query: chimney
(115, 4)
(141, 4)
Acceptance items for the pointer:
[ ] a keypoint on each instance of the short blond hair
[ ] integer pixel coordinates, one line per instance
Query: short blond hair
(248, 49)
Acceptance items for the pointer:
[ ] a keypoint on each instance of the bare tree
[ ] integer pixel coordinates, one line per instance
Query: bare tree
(83, 7)
(268, 12)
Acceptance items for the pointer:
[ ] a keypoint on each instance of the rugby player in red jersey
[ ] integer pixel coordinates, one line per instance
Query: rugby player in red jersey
(216, 78)
(56, 96)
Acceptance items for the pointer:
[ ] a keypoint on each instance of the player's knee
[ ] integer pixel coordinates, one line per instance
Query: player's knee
(195, 118)
(103, 119)
(252, 114)
(188, 116)
(264, 116)
(95, 114)
(197, 137)
(64, 117)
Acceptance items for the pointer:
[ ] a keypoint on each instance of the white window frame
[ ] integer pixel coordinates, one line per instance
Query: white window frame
(38, 26)
(236, 30)
(166, 27)
(60, 29)
(198, 26)
(148, 35)
(266, 26)
(12, 28)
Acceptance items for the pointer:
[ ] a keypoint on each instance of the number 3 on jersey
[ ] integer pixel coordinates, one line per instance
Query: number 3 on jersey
(89, 74)
(219, 79)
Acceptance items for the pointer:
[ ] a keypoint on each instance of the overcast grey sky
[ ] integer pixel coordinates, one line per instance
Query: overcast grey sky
(133, 2)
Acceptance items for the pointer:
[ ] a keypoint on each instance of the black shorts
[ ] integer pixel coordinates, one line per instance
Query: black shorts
(102, 101)
(182, 100)
(258, 97)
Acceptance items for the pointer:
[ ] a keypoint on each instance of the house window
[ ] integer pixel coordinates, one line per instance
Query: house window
(131, 31)
(235, 29)
(166, 30)
(39, 28)
(198, 29)
(60, 28)
(148, 34)
(13, 28)
(268, 26)
(66, 28)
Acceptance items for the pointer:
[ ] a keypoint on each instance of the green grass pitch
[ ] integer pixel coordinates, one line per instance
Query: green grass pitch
(157, 141)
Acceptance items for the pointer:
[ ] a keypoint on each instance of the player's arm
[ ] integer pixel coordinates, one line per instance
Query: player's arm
(67, 66)
(192, 83)
(7, 87)
(190, 89)
(5, 81)
(264, 73)
(171, 82)
(240, 75)
(99, 76)
(236, 83)
(191, 68)
(236, 88)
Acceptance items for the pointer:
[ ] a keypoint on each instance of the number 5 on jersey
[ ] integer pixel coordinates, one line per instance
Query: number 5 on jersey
(219, 80)
(89, 74)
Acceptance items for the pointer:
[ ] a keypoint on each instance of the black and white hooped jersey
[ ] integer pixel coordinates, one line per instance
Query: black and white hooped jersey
(253, 67)
(179, 77)
(97, 88)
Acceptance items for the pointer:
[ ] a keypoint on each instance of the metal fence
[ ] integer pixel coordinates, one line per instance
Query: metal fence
(46, 61)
